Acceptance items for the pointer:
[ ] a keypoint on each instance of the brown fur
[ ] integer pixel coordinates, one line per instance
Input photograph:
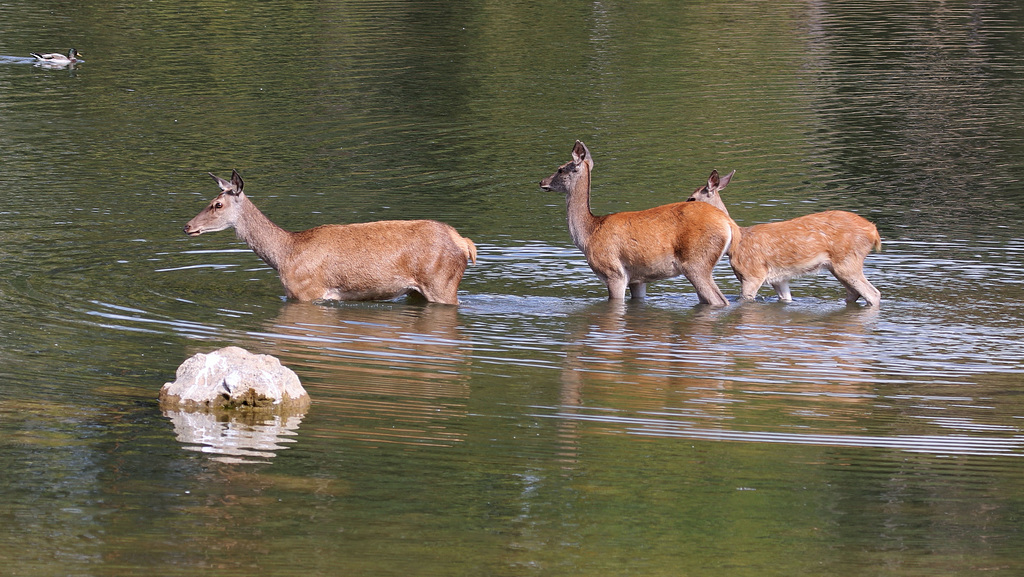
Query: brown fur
(775, 252)
(365, 261)
(634, 248)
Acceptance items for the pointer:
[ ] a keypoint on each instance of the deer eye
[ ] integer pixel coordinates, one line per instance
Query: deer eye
(218, 205)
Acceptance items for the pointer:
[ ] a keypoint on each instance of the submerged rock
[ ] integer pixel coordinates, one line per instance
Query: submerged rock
(232, 379)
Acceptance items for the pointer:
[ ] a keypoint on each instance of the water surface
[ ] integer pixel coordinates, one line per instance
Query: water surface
(536, 428)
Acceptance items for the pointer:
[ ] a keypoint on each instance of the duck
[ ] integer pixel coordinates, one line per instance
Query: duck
(57, 58)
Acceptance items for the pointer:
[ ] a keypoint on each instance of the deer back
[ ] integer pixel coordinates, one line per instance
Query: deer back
(680, 232)
(806, 243)
(374, 260)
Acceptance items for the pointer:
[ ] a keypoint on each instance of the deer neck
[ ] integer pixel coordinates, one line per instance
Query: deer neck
(269, 241)
(582, 222)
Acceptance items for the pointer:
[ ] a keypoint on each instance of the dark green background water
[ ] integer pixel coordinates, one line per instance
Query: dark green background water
(536, 429)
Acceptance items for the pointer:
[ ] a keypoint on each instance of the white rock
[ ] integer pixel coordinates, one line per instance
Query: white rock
(233, 378)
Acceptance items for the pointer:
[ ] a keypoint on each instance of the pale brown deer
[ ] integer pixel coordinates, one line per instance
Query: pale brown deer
(634, 248)
(364, 261)
(775, 252)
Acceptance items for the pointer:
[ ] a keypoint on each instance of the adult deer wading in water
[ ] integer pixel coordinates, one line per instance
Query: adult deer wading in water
(775, 252)
(366, 261)
(634, 248)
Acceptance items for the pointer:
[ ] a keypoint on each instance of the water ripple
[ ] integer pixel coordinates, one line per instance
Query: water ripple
(939, 445)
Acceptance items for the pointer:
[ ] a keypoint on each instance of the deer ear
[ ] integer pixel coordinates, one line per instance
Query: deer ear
(234, 187)
(725, 180)
(236, 181)
(224, 185)
(580, 153)
(713, 181)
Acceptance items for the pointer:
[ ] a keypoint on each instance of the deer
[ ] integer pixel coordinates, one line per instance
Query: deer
(776, 252)
(379, 260)
(631, 249)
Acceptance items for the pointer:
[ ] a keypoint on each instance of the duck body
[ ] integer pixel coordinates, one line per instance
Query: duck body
(57, 58)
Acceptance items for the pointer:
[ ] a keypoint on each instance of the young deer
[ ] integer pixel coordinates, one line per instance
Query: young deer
(775, 252)
(634, 248)
(366, 261)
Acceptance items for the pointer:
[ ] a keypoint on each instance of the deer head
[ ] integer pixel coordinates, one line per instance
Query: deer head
(565, 178)
(709, 192)
(223, 211)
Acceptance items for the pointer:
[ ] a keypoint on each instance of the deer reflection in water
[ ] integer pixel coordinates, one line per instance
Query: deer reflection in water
(713, 367)
(388, 373)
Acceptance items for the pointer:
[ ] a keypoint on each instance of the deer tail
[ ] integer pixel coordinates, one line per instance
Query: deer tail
(467, 246)
(470, 249)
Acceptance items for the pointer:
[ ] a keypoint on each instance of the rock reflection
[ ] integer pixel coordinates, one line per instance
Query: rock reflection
(234, 440)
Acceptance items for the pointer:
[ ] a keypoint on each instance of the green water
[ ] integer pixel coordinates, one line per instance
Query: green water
(536, 429)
